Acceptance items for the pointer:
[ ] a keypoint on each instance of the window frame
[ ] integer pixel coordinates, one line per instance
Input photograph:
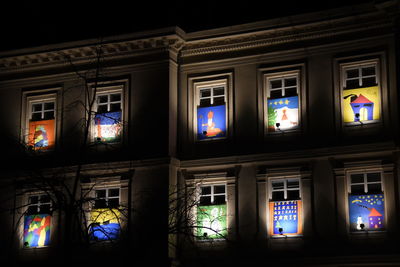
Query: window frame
(285, 189)
(283, 72)
(109, 89)
(36, 97)
(107, 197)
(212, 194)
(359, 64)
(365, 182)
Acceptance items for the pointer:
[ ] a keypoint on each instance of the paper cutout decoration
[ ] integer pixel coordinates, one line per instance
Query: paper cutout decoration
(211, 222)
(362, 104)
(211, 122)
(108, 126)
(105, 224)
(37, 230)
(286, 216)
(284, 111)
(41, 134)
(366, 212)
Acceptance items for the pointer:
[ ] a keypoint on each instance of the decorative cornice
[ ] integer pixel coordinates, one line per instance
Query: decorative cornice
(83, 54)
(288, 34)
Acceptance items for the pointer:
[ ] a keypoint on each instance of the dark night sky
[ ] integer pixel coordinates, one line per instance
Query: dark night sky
(34, 23)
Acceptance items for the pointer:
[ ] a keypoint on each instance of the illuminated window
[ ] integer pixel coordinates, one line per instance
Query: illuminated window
(105, 217)
(211, 110)
(108, 118)
(282, 103)
(211, 212)
(37, 221)
(41, 122)
(285, 207)
(361, 100)
(366, 202)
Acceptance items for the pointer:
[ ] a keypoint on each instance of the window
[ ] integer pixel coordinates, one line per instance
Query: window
(211, 212)
(366, 202)
(285, 207)
(41, 123)
(361, 93)
(211, 110)
(105, 217)
(282, 103)
(108, 118)
(37, 221)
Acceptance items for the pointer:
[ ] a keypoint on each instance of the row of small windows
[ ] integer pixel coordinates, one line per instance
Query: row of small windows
(366, 210)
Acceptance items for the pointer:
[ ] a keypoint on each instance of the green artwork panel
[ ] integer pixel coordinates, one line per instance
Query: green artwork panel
(211, 222)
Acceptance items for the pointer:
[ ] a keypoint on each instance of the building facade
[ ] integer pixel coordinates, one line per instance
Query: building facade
(270, 142)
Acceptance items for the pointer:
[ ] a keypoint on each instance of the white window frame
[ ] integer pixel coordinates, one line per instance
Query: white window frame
(282, 75)
(212, 194)
(109, 102)
(39, 203)
(107, 197)
(365, 182)
(360, 77)
(43, 110)
(212, 83)
(285, 189)
(108, 90)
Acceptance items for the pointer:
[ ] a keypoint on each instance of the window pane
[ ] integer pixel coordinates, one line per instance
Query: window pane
(275, 94)
(293, 194)
(102, 109)
(357, 189)
(352, 73)
(219, 91)
(37, 107)
(49, 115)
(45, 208)
(374, 188)
(368, 81)
(357, 178)
(368, 71)
(100, 193)
(373, 177)
(33, 200)
(219, 200)
(276, 84)
(205, 102)
(49, 105)
(113, 192)
(44, 199)
(352, 84)
(205, 92)
(277, 185)
(100, 204)
(113, 203)
(115, 107)
(219, 101)
(102, 99)
(205, 200)
(278, 195)
(115, 97)
(32, 210)
(219, 189)
(292, 183)
(205, 190)
(291, 91)
(36, 116)
(290, 82)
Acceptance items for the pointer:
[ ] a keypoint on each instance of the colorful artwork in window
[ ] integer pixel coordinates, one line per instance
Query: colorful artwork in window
(211, 222)
(37, 230)
(41, 134)
(211, 122)
(105, 224)
(108, 126)
(362, 104)
(286, 217)
(283, 113)
(366, 212)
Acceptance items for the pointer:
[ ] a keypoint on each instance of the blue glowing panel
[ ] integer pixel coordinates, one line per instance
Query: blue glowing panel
(367, 210)
(286, 215)
(211, 122)
(105, 232)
